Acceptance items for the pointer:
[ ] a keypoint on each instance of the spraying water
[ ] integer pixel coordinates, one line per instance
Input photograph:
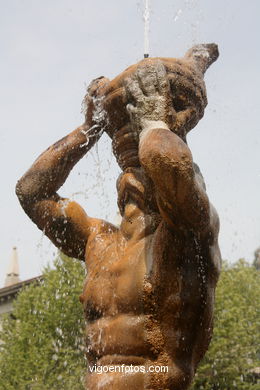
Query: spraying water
(146, 17)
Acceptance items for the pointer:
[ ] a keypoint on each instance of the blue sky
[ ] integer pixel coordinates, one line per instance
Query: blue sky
(51, 50)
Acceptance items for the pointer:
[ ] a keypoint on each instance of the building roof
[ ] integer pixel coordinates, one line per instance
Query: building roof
(10, 292)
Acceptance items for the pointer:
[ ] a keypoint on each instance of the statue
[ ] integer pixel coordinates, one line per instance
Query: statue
(149, 291)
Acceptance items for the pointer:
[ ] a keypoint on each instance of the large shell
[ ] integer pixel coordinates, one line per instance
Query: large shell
(187, 89)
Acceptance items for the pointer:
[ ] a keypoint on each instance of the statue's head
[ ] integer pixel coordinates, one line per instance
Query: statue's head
(187, 95)
(133, 186)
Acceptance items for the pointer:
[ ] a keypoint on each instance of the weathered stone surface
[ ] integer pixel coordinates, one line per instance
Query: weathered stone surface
(187, 96)
(149, 291)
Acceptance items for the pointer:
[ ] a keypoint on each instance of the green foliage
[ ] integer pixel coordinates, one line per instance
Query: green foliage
(235, 347)
(42, 342)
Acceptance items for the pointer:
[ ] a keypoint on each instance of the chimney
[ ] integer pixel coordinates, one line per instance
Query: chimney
(12, 276)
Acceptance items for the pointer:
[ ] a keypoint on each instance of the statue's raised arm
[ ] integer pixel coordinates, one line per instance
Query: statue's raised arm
(62, 220)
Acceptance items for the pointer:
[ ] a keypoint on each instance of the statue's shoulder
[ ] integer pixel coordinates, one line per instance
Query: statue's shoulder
(213, 224)
(101, 227)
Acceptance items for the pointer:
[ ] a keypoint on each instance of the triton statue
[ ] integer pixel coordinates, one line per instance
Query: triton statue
(149, 292)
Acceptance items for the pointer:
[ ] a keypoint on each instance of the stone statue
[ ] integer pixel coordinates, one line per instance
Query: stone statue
(149, 292)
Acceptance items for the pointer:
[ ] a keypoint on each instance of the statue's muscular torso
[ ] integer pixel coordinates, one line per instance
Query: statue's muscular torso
(148, 303)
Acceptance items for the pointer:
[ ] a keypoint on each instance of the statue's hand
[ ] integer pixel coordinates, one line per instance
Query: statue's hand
(148, 94)
(95, 115)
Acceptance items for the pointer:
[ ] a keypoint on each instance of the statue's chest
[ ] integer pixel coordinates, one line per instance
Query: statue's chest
(115, 278)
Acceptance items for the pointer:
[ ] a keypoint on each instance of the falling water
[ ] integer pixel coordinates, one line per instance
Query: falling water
(146, 17)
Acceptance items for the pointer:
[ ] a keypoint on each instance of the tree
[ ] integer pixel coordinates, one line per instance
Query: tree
(42, 343)
(256, 262)
(235, 348)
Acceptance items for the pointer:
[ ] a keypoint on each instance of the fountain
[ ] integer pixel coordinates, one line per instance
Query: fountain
(146, 17)
(149, 292)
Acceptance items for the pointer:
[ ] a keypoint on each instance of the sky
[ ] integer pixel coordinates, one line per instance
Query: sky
(52, 49)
